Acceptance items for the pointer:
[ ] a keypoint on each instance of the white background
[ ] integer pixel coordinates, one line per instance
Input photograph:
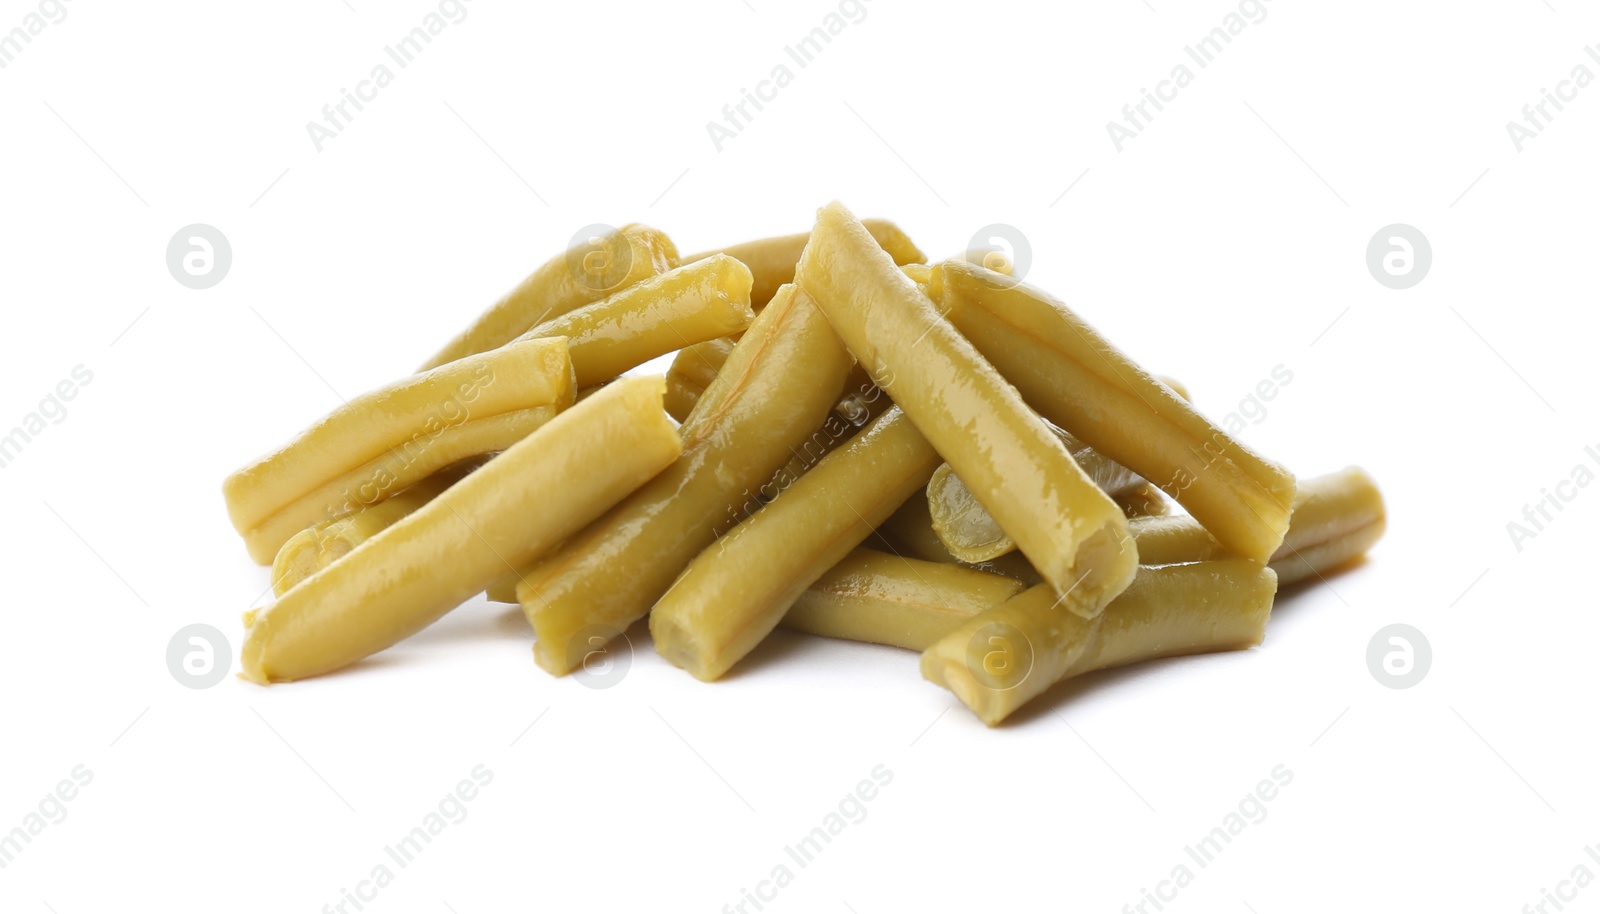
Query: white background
(1225, 240)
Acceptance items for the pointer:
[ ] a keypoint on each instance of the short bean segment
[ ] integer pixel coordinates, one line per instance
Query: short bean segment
(776, 387)
(909, 530)
(689, 305)
(1001, 658)
(736, 591)
(1337, 517)
(888, 599)
(692, 370)
(773, 260)
(405, 427)
(1070, 530)
(593, 268)
(510, 511)
(1079, 381)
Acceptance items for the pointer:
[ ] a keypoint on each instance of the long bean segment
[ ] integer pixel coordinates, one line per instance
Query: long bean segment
(593, 268)
(319, 546)
(1079, 381)
(393, 471)
(773, 260)
(886, 599)
(684, 306)
(777, 385)
(1023, 475)
(305, 481)
(998, 660)
(736, 591)
(1337, 517)
(510, 511)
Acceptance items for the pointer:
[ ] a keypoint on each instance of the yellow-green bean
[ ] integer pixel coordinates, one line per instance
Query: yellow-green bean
(692, 370)
(736, 591)
(772, 260)
(1337, 517)
(998, 660)
(775, 388)
(888, 599)
(591, 269)
(681, 307)
(1079, 381)
(510, 511)
(405, 424)
(1071, 532)
(319, 546)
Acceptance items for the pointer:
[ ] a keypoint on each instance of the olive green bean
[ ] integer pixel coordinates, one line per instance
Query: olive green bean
(775, 388)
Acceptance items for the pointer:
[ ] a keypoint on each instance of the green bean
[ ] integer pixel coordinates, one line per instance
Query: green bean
(1079, 381)
(772, 260)
(382, 441)
(692, 370)
(736, 591)
(887, 599)
(1336, 518)
(998, 660)
(775, 388)
(681, 307)
(1073, 534)
(510, 511)
(319, 546)
(589, 271)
